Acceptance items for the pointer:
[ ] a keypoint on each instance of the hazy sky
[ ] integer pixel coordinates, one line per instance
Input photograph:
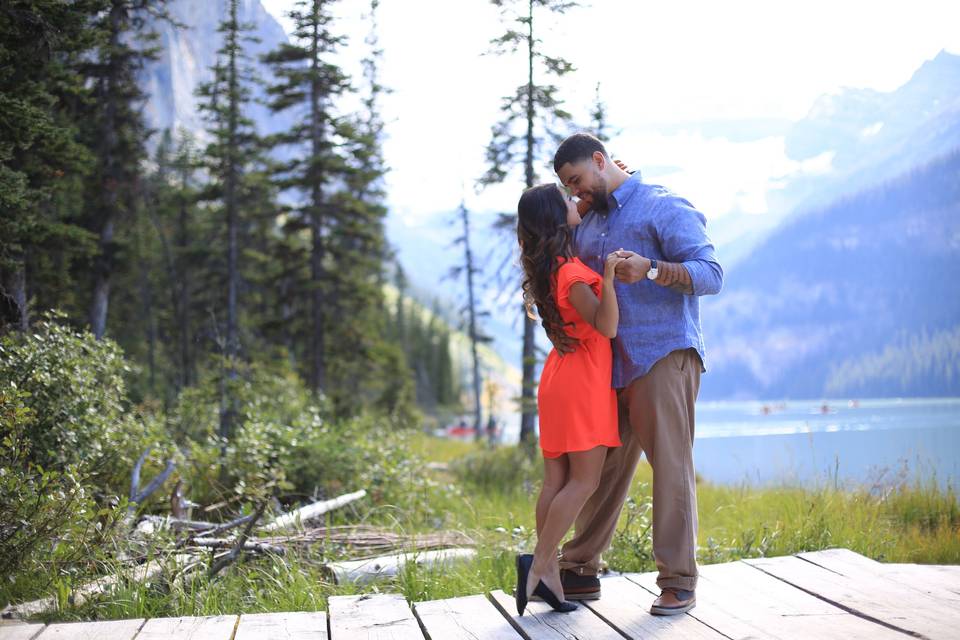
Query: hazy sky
(658, 64)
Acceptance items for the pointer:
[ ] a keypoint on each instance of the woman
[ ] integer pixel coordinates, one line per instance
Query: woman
(577, 405)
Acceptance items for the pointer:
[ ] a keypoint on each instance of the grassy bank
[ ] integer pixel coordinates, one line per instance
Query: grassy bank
(490, 496)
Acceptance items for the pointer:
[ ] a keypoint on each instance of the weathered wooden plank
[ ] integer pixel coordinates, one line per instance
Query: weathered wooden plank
(942, 583)
(107, 630)
(879, 600)
(540, 622)
(19, 631)
(372, 617)
(464, 618)
(289, 625)
(626, 606)
(189, 628)
(741, 602)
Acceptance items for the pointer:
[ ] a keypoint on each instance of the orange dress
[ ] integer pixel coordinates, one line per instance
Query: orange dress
(577, 404)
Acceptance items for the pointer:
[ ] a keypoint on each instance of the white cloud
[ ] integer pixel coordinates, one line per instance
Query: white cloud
(657, 62)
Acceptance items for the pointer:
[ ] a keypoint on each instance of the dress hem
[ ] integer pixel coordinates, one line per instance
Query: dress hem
(560, 453)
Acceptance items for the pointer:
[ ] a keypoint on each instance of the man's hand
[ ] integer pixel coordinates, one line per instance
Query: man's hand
(633, 269)
(671, 275)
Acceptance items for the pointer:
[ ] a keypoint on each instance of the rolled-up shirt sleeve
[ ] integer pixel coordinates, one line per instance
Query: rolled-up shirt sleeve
(682, 232)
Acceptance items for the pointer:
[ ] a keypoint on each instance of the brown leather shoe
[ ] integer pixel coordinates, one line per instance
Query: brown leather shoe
(673, 601)
(577, 587)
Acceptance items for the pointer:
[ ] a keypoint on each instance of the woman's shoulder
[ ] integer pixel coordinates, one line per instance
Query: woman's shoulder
(572, 271)
(570, 267)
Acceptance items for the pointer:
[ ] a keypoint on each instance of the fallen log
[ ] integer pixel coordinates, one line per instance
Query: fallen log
(148, 524)
(226, 526)
(225, 543)
(140, 573)
(364, 541)
(312, 511)
(363, 571)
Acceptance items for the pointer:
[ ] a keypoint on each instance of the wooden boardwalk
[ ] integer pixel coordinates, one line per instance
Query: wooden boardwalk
(828, 594)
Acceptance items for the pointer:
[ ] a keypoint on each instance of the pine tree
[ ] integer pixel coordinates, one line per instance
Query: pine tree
(306, 80)
(234, 150)
(469, 270)
(117, 135)
(42, 160)
(444, 386)
(183, 169)
(170, 194)
(532, 117)
(400, 316)
(598, 117)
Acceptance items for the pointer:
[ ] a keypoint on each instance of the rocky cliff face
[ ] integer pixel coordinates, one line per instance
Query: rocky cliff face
(187, 55)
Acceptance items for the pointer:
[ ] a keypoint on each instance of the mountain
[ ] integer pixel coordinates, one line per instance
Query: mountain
(187, 55)
(860, 297)
(854, 290)
(869, 136)
(849, 277)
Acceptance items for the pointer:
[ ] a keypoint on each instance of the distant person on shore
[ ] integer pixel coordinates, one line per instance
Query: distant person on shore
(577, 405)
(666, 262)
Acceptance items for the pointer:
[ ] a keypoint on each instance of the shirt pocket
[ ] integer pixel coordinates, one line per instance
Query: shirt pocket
(639, 239)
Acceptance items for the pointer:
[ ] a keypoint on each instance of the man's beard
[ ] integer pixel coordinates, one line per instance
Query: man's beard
(598, 199)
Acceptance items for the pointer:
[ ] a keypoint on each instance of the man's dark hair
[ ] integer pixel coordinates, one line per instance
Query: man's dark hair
(577, 147)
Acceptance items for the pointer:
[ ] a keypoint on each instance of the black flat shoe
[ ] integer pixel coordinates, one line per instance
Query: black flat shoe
(524, 562)
(551, 599)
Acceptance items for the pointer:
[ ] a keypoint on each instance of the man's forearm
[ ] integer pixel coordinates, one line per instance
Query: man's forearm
(674, 276)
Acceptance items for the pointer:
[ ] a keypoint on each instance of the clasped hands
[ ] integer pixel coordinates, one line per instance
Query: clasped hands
(631, 268)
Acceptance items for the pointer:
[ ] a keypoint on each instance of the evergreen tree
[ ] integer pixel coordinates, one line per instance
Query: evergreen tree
(42, 161)
(445, 389)
(184, 167)
(117, 134)
(598, 117)
(307, 81)
(233, 152)
(469, 270)
(358, 243)
(532, 117)
(170, 193)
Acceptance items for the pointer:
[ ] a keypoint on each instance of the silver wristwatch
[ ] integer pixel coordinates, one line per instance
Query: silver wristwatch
(653, 272)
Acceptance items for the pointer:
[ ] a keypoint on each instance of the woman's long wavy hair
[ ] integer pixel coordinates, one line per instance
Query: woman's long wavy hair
(544, 234)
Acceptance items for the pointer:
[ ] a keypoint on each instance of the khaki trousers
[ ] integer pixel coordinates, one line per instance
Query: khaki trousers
(656, 414)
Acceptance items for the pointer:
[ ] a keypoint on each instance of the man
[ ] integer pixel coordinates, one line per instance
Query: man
(658, 358)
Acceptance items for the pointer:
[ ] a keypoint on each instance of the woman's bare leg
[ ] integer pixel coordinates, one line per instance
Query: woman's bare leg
(582, 478)
(555, 472)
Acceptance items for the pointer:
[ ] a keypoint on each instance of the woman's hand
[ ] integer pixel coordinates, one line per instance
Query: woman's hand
(610, 267)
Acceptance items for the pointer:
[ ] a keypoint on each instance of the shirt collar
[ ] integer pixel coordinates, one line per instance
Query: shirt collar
(624, 192)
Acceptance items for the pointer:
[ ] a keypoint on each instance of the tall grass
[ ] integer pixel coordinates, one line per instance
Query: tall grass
(490, 495)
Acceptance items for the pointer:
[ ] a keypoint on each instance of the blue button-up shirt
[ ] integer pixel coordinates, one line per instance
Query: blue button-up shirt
(654, 222)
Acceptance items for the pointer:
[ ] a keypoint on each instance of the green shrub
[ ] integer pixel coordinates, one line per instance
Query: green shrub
(50, 526)
(632, 546)
(287, 441)
(503, 469)
(365, 452)
(75, 391)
